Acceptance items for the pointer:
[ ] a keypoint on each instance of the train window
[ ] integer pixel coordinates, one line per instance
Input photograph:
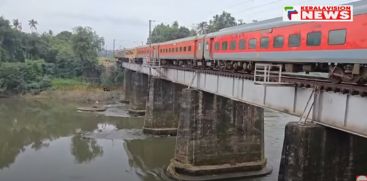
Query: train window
(233, 45)
(184, 49)
(242, 44)
(314, 38)
(189, 48)
(294, 40)
(252, 43)
(264, 42)
(224, 45)
(278, 42)
(176, 49)
(337, 37)
(216, 45)
(180, 49)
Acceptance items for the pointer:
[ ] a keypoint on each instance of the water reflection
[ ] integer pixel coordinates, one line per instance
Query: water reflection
(85, 150)
(35, 124)
(54, 139)
(150, 157)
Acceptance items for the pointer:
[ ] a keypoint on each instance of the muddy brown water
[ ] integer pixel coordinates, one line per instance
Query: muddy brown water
(50, 140)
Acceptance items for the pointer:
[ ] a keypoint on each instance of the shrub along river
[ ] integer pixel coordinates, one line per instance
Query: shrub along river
(49, 140)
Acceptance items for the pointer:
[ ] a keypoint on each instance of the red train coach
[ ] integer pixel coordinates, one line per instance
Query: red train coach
(339, 48)
(181, 51)
(313, 45)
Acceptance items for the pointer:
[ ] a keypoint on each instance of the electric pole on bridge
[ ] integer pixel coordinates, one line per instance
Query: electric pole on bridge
(150, 39)
(113, 48)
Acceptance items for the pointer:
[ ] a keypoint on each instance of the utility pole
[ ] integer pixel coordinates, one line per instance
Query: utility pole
(150, 31)
(150, 40)
(113, 48)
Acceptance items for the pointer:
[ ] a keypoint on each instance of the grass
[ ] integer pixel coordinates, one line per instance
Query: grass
(67, 84)
(77, 90)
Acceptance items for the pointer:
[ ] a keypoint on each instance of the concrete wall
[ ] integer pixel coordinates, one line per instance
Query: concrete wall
(139, 91)
(314, 152)
(162, 108)
(216, 131)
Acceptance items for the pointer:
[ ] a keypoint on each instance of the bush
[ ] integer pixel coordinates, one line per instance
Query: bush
(111, 75)
(23, 77)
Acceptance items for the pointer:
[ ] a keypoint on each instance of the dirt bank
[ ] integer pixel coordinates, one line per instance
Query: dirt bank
(90, 95)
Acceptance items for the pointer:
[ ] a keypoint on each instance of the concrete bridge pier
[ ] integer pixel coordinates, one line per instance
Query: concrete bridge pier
(314, 152)
(138, 94)
(218, 138)
(162, 109)
(126, 86)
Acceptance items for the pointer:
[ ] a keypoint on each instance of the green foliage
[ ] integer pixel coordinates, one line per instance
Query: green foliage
(218, 22)
(111, 75)
(86, 44)
(23, 77)
(164, 32)
(60, 83)
(27, 60)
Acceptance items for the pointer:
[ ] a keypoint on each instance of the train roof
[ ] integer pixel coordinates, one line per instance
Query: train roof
(180, 40)
(359, 7)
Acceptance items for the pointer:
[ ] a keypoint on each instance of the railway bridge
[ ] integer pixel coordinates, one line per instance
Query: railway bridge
(218, 119)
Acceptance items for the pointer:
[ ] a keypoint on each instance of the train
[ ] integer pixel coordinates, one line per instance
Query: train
(336, 48)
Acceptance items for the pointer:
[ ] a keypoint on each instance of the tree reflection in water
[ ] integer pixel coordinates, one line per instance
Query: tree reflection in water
(85, 150)
(35, 124)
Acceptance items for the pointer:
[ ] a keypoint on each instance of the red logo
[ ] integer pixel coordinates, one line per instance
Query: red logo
(361, 178)
(318, 13)
(326, 13)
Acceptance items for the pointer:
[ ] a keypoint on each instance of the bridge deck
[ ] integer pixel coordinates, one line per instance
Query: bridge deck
(341, 111)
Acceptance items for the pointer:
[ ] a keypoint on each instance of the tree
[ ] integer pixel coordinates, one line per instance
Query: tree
(33, 24)
(86, 44)
(17, 25)
(11, 46)
(241, 22)
(164, 32)
(219, 22)
(202, 28)
(64, 35)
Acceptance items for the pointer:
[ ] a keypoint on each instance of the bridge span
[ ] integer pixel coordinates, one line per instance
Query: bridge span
(218, 120)
(332, 109)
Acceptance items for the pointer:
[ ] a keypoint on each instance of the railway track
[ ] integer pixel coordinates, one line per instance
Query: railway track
(319, 83)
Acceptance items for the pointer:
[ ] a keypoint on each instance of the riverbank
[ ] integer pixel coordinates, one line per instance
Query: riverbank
(78, 91)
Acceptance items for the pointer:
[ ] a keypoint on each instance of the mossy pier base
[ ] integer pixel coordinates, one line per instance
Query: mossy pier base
(218, 138)
(138, 93)
(162, 109)
(317, 153)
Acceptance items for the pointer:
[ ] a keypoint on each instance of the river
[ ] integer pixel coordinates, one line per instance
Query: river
(45, 140)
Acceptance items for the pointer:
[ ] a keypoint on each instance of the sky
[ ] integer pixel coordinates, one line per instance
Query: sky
(126, 21)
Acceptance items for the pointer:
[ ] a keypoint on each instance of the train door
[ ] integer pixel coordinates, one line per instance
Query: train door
(208, 51)
(155, 55)
(195, 49)
(199, 48)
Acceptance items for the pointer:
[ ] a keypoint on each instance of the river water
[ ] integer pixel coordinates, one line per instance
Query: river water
(51, 141)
